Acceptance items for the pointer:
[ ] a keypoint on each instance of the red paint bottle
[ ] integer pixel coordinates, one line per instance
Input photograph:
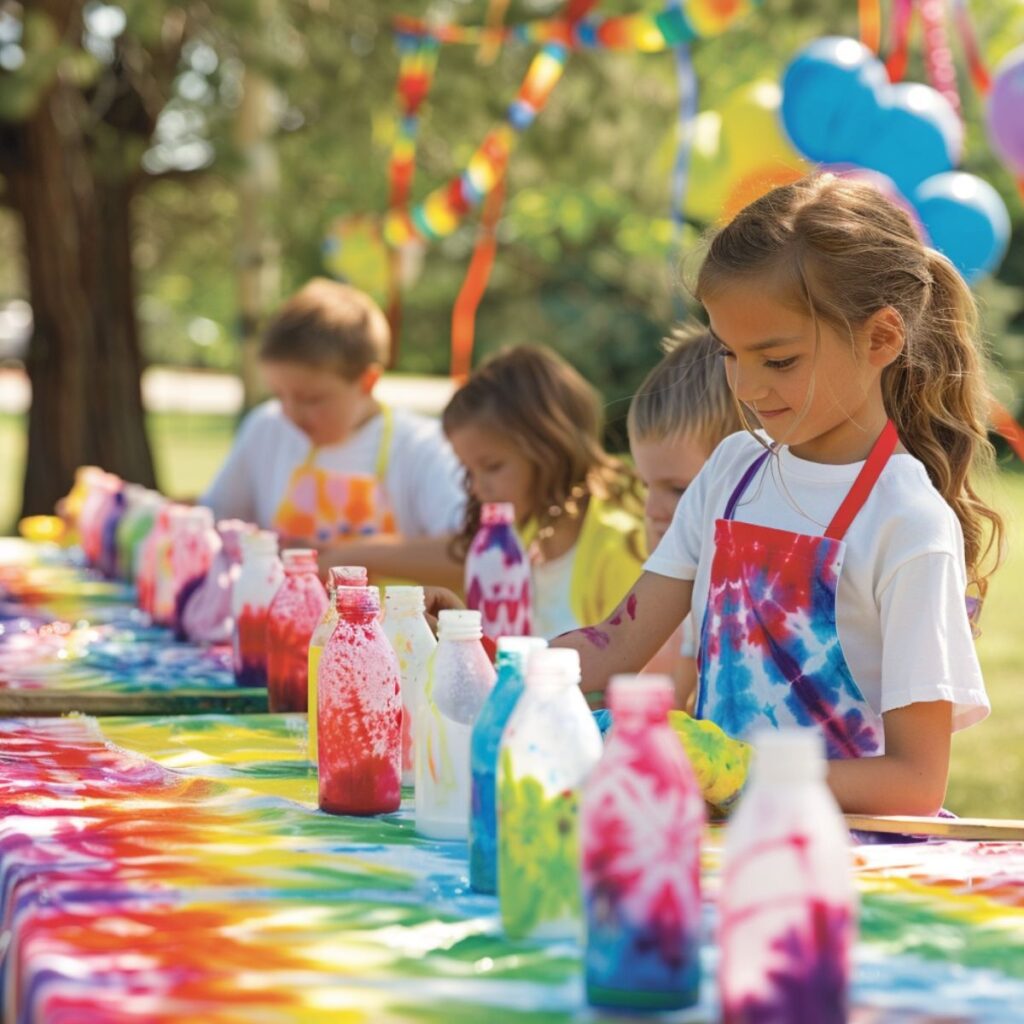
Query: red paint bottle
(291, 619)
(359, 711)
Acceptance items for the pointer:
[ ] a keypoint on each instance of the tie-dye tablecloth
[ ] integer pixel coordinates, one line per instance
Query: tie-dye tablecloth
(176, 869)
(71, 641)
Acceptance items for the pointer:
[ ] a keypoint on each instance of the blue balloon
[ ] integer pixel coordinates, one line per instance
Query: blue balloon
(966, 220)
(830, 98)
(917, 135)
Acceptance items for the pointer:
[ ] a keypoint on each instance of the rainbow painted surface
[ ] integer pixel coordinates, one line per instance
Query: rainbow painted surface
(166, 869)
(65, 630)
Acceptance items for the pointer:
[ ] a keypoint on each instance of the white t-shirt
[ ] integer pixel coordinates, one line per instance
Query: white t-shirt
(423, 477)
(552, 596)
(900, 610)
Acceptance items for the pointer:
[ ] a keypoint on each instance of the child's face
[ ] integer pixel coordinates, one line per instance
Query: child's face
(822, 398)
(320, 402)
(667, 466)
(496, 468)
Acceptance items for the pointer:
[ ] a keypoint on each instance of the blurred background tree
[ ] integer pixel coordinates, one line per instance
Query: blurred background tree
(169, 191)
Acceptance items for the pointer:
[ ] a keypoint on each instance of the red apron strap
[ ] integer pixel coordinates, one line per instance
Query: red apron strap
(866, 479)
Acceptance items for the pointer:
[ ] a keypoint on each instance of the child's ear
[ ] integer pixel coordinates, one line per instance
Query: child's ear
(886, 336)
(369, 377)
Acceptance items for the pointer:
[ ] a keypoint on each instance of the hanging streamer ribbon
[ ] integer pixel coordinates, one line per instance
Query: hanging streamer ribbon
(1007, 427)
(938, 57)
(870, 17)
(440, 213)
(969, 40)
(647, 33)
(687, 79)
(902, 13)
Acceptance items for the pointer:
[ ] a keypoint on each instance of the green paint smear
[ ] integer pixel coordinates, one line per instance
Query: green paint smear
(474, 1013)
(538, 851)
(509, 961)
(901, 925)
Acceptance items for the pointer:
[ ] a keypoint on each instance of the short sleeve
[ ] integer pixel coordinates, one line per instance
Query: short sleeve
(232, 495)
(426, 484)
(927, 648)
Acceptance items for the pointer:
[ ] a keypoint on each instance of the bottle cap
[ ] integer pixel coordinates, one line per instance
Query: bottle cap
(788, 755)
(260, 543)
(494, 513)
(640, 693)
(299, 560)
(459, 624)
(553, 666)
(347, 576)
(404, 600)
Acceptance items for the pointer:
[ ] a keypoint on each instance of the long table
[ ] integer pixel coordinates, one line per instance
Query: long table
(72, 641)
(176, 869)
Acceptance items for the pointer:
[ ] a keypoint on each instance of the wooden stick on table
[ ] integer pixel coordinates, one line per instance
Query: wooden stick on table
(944, 828)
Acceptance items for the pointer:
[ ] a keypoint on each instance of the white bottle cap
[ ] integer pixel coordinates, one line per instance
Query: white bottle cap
(789, 755)
(493, 513)
(459, 624)
(262, 542)
(404, 599)
(553, 666)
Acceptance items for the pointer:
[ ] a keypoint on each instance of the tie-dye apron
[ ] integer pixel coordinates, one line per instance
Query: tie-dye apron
(769, 649)
(323, 507)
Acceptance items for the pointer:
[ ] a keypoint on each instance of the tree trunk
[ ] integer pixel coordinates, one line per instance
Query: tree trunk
(84, 360)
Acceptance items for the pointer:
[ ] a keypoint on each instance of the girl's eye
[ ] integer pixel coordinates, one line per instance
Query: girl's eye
(780, 364)
(724, 353)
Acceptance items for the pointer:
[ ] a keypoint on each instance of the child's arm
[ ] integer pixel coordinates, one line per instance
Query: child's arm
(633, 633)
(427, 560)
(910, 777)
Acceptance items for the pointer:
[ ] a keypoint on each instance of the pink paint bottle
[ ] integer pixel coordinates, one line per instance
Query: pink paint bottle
(258, 582)
(339, 576)
(641, 820)
(498, 579)
(293, 614)
(146, 579)
(162, 611)
(206, 612)
(194, 544)
(787, 911)
(359, 711)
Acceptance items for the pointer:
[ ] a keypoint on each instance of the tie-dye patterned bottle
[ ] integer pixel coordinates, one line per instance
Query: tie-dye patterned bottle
(513, 653)
(498, 579)
(206, 613)
(641, 819)
(258, 582)
(550, 746)
(359, 735)
(787, 910)
(297, 607)
(459, 678)
(414, 643)
(163, 580)
(194, 544)
(149, 556)
(338, 576)
(135, 524)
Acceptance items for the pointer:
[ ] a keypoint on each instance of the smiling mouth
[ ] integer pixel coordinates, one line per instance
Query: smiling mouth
(769, 413)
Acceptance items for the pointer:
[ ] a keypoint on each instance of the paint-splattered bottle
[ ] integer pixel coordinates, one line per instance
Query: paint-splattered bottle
(787, 910)
(258, 582)
(641, 819)
(338, 576)
(206, 612)
(162, 611)
(359, 735)
(297, 607)
(498, 578)
(150, 556)
(459, 678)
(513, 653)
(138, 519)
(194, 543)
(550, 746)
(414, 643)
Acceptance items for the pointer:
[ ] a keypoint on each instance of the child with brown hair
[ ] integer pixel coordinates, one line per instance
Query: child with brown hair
(324, 462)
(826, 557)
(527, 428)
(677, 418)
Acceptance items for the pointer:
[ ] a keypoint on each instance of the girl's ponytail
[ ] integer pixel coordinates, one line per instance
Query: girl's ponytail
(937, 396)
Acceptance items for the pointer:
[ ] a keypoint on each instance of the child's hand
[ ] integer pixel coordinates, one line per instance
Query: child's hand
(719, 761)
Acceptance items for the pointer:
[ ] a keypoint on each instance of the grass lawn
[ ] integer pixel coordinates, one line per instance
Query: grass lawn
(987, 777)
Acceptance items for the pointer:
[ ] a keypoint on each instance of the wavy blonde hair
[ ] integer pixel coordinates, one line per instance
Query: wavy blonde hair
(536, 399)
(841, 252)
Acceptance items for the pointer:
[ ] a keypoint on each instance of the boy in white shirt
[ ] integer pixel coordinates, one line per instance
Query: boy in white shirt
(324, 463)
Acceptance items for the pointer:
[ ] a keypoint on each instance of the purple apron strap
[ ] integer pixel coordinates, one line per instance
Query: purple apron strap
(744, 483)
